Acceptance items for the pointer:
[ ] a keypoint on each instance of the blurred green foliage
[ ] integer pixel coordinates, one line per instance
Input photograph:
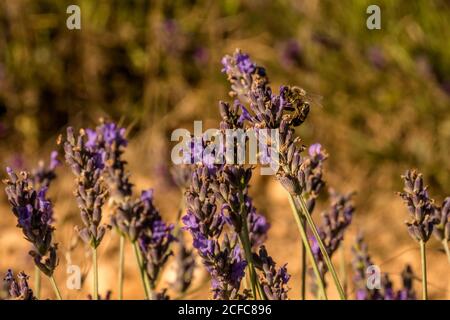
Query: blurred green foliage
(157, 63)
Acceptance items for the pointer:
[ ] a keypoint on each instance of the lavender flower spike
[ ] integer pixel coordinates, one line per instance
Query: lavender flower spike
(420, 206)
(222, 258)
(155, 240)
(43, 175)
(18, 289)
(86, 160)
(442, 216)
(335, 221)
(34, 215)
(274, 281)
(185, 262)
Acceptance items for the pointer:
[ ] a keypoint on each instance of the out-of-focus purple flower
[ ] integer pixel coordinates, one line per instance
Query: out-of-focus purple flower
(43, 175)
(155, 239)
(258, 227)
(442, 218)
(34, 216)
(185, 266)
(335, 221)
(18, 289)
(361, 262)
(407, 292)
(201, 56)
(291, 53)
(315, 151)
(244, 63)
(376, 57)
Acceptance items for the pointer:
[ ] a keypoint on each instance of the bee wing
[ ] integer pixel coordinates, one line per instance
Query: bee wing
(315, 100)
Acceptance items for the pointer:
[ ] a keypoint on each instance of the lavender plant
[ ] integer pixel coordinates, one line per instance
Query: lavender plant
(87, 162)
(34, 216)
(274, 281)
(221, 256)
(284, 112)
(361, 262)
(335, 222)
(236, 204)
(43, 175)
(421, 210)
(185, 266)
(110, 140)
(154, 241)
(442, 226)
(18, 288)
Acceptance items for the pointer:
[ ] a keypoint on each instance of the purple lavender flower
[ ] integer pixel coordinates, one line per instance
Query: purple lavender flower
(18, 289)
(274, 281)
(420, 205)
(310, 175)
(34, 216)
(243, 74)
(258, 227)
(222, 258)
(291, 53)
(43, 175)
(442, 217)
(109, 140)
(361, 262)
(335, 221)
(86, 160)
(244, 64)
(154, 239)
(407, 292)
(185, 266)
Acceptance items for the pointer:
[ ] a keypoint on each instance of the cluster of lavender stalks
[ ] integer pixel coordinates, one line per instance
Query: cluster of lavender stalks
(228, 232)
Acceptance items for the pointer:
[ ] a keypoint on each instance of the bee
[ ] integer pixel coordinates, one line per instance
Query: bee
(299, 104)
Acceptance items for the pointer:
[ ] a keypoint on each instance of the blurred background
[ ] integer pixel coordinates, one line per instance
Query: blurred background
(155, 66)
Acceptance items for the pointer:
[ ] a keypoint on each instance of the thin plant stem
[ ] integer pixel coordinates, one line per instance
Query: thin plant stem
(303, 288)
(447, 251)
(141, 270)
(37, 282)
(55, 287)
(343, 268)
(95, 265)
(423, 258)
(249, 257)
(301, 228)
(323, 250)
(121, 264)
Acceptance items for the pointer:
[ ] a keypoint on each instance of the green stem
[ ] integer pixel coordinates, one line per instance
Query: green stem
(55, 287)
(95, 265)
(343, 269)
(37, 282)
(323, 250)
(249, 257)
(423, 257)
(309, 252)
(447, 251)
(303, 288)
(121, 265)
(141, 270)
